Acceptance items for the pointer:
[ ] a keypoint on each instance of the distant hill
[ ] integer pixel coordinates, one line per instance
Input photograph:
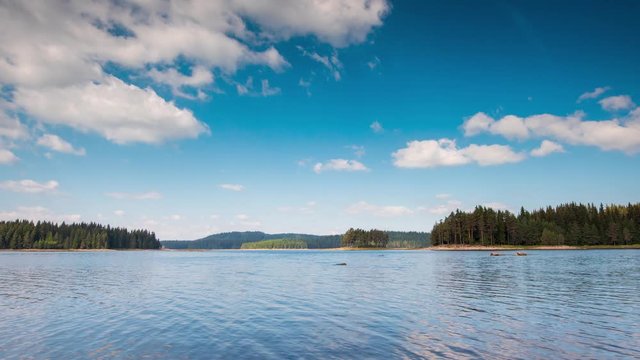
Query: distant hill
(235, 239)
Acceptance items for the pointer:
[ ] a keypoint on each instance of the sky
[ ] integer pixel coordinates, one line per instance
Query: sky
(189, 118)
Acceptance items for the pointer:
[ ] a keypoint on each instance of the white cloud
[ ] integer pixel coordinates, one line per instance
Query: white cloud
(54, 54)
(617, 134)
(446, 208)
(442, 196)
(200, 76)
(376, 127)
(38, 213)
(120, 112)
(331, 62)
(119, 212)
(152, 195)
(511, 127)
(57, 143)
(593, 94)
(232, 187)
(29, 186)
(268, 90)
(11, 128)
(338, 22)
(547, 147)
(363, 207)
(7, 157)
(616, 103)
(444, 152)
(339, 165)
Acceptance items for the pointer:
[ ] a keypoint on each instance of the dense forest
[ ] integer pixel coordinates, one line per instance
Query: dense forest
(365, 239)
(23, 234)
(568, 224)
(276, 244)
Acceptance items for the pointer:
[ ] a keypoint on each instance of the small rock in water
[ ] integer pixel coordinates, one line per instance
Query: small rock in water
(341, 264)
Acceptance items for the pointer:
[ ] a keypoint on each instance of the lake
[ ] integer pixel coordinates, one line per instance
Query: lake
(299, 304)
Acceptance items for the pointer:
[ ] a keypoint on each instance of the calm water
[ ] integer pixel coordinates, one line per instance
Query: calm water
(298, 304)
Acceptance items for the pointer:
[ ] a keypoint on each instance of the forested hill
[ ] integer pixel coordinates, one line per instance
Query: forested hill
(568, 224)
(234, 240)
(22, 234)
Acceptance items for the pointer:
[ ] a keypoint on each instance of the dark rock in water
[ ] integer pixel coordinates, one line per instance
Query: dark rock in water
(521, 254)
(341, 264)
(495, 254)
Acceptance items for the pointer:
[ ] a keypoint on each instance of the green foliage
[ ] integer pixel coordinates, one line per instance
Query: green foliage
(359, 238)
(22, 234)
(276, 244)
(568, 224)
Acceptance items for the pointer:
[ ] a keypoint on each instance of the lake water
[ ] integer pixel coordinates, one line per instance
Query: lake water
(298, 304)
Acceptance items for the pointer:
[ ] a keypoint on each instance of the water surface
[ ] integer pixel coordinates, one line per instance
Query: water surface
(298, 304)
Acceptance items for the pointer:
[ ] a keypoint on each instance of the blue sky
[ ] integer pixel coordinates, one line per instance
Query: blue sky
(307, 116)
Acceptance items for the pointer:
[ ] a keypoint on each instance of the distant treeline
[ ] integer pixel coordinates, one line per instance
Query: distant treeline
(22, 234)
(276, 244)
(234, 240)
(568, 224)
(365, 239)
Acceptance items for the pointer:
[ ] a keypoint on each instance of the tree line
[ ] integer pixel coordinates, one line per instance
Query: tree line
(567, 224)
(23, 234)
(360, 238)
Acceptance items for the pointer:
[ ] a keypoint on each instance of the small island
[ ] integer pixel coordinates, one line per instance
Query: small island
(275, 244)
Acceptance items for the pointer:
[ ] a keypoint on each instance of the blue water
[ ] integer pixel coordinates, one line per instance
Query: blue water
(298, 304)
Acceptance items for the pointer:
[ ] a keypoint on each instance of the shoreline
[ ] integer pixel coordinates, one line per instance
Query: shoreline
(432, 248)
(531, 247)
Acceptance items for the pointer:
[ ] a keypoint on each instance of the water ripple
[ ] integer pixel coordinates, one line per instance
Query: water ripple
(297, 304)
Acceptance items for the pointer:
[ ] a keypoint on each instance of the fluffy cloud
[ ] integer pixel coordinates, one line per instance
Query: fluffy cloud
(58, 144)
(120, 112)
(7, 157)
(29, 186)
(509, 126)
(444, 152)
(152, 195)
(616, 103)
(617, 134)
(446, 208)
(11, 128)
(200, 76)
(54, 56)
(38, 213)
(119, 213)
(339, 165)
(593, 94)
(338, 22)
(232, 187)
(364, 207)
(547, 147)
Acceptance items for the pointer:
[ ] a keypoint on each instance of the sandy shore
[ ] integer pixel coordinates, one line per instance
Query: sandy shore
(513, 248)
